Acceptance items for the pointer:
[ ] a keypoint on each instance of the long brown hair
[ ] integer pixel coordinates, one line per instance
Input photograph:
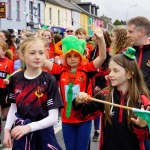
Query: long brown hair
(8, 36)
(136, 83)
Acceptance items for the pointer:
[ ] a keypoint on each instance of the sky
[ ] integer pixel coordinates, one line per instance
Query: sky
(122, 9)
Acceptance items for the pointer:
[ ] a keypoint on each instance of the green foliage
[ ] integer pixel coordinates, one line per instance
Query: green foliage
(118, 22)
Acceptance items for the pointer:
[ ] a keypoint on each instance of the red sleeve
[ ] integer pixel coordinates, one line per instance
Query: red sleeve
(88, 67)
(57, 69)
(15, 55)
(142, 133)
(145, 100)
(11, 66)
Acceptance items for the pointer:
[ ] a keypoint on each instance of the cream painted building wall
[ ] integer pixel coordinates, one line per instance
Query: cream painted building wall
(84, 21)
(57, 16)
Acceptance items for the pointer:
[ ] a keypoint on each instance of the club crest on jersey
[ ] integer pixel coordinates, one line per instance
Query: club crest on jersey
(39, 92)
(81, 78)
(148, 63)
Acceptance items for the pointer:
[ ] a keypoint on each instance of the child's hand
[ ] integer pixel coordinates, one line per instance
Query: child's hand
(97, 31)
(82, 97)
(20, 131)
(140, 122)
(7, 139)
(6, 81)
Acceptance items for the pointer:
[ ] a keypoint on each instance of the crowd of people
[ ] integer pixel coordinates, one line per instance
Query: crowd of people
(44, 77)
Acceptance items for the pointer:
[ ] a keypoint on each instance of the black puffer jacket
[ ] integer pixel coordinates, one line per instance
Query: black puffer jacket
(143, 59)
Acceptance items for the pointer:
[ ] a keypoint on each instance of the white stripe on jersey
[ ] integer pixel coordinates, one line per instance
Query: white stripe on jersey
(50, 102)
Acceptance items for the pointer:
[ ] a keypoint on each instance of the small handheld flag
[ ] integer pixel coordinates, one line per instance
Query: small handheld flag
(10, 75)
(143, 114)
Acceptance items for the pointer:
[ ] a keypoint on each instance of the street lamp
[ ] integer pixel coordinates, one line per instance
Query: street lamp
(128, 10)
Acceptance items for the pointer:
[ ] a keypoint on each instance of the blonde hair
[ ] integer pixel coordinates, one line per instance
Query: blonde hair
(121, 41)
(27, 43)
(9, 52)
(43, 30)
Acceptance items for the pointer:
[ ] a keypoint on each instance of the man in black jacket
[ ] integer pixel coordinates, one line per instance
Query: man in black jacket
(138, 33)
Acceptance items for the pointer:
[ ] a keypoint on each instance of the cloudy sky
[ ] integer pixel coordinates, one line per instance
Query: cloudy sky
(122, 9)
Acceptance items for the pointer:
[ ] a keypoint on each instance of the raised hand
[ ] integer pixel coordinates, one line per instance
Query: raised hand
(97, 31)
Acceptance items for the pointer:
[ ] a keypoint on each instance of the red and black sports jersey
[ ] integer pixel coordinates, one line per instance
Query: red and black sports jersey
(34, 97)
(82, 83)
(6, 67)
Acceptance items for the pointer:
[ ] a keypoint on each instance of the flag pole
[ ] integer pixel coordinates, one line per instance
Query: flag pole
(109, 103)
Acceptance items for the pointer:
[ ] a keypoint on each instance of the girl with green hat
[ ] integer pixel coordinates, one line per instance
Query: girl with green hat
(74, 78)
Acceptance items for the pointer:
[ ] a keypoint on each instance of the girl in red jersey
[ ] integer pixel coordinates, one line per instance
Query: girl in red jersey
(6, 37)
(74, 78)
(6, 67)
(48, 36)
(35, 101)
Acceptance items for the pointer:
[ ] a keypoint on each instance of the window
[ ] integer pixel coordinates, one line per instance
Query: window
(66, 18)
(31, 10)
(58, 17)
(18, 9)
(39, 13)
(50, 15)
(9, 9)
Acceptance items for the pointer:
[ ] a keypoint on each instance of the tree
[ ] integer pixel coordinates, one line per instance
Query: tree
(118, 22)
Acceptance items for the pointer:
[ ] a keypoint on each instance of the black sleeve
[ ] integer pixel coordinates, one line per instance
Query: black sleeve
(88, 110)
(100, 82)
(10, 87)
(54, 99)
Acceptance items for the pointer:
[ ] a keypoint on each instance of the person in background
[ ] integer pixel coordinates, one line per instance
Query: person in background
(120, 41)
(69, 30)
(35, 101)
(13, 38)
(80, 33)
(18, 63)
(138, 33)
(121, 129)
(57, 38)
(100, 80)
(6, 67)
(6, 37)
(26, 35)
(48, 36)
